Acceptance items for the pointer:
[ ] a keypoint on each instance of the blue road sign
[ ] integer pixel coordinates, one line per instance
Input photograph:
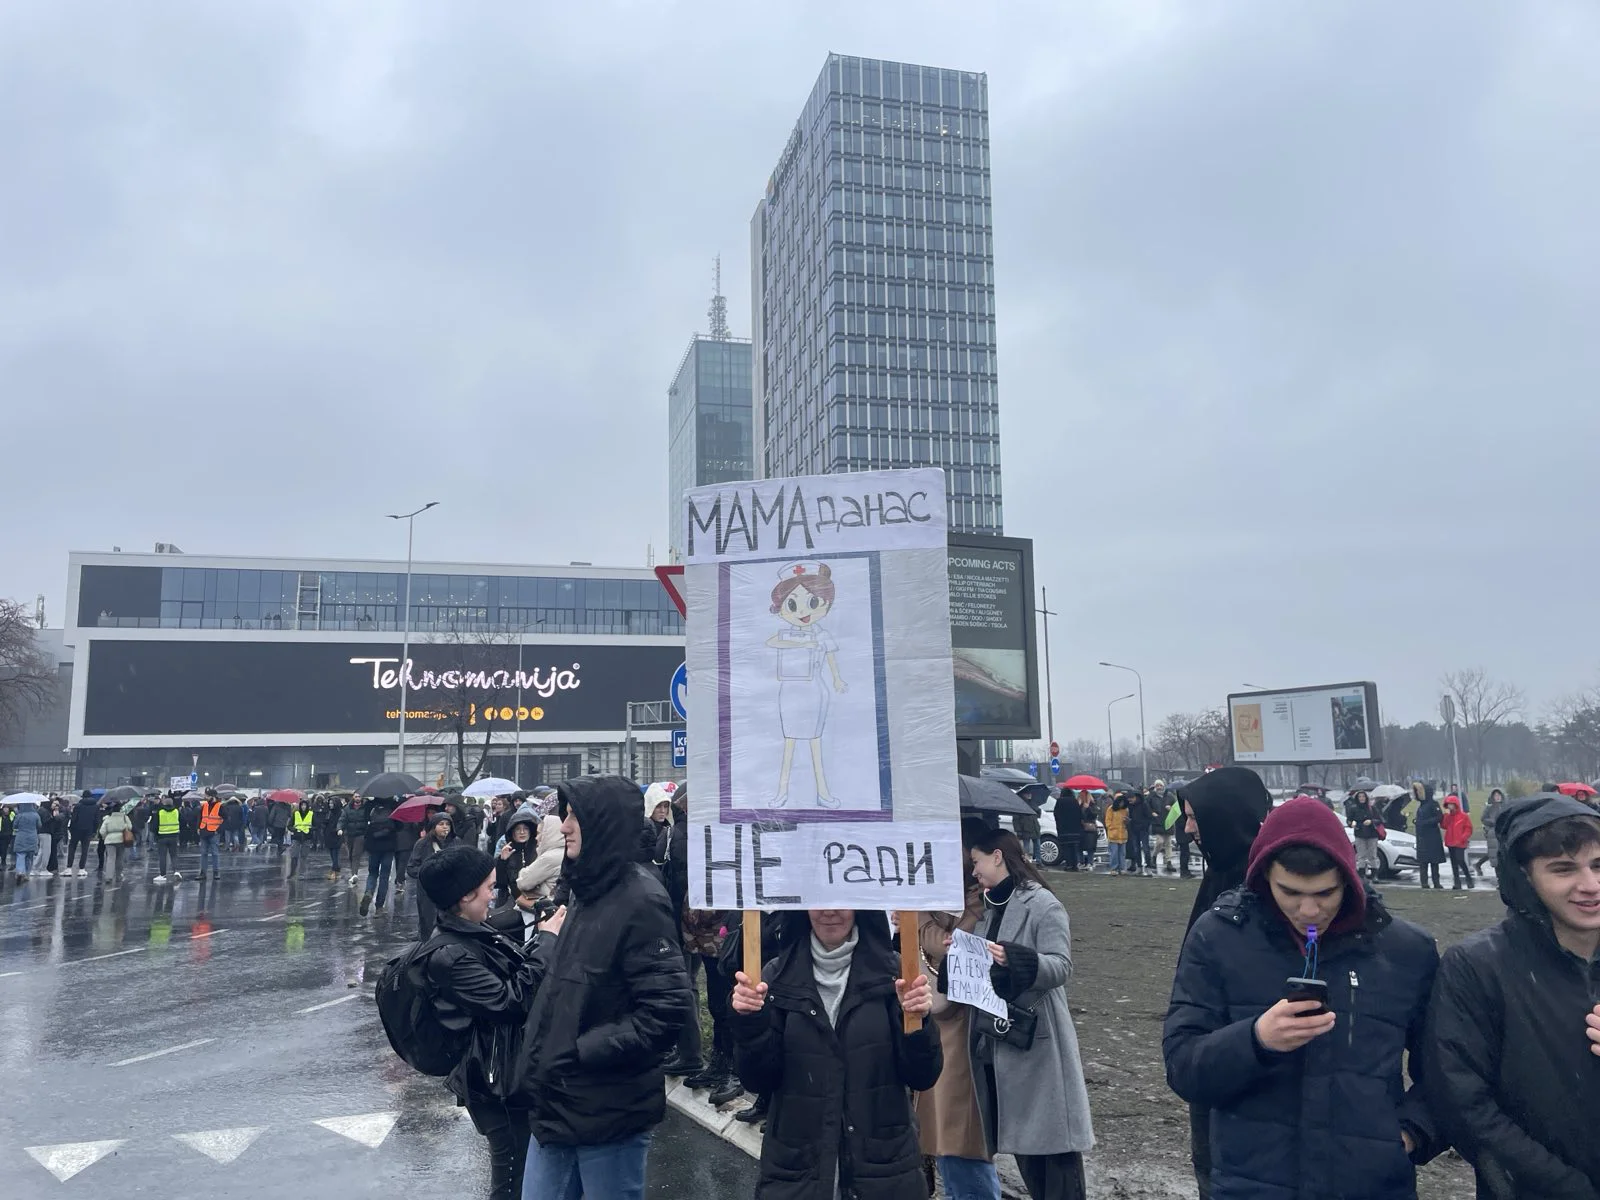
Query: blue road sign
(680, 693)
(680, 747)
(194, 779)
(1055, 766)
(1033, 769)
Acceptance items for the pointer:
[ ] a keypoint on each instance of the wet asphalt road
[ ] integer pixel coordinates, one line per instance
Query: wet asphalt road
(186, 1041)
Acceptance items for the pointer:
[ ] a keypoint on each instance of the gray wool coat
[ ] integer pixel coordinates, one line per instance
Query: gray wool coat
(1043, 1106)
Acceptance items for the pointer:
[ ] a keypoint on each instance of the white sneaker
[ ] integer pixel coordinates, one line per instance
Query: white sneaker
(159, 879)
(176, 877)
(83, 872)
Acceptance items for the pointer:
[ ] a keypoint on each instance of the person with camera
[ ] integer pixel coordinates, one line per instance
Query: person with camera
(482, 984)
(1296, 1001)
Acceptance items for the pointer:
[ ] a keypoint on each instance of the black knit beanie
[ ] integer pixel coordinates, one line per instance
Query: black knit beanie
(454, 873)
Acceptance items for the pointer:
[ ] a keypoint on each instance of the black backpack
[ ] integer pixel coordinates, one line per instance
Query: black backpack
(411, 1018)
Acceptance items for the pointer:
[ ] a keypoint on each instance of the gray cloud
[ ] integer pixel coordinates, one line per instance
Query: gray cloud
(1296, 375)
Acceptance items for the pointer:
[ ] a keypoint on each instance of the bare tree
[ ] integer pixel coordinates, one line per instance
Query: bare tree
(1482, 705)
(1194, 741)
(1086, 754)
(456, 710)
(1574, 732)
(27, 676)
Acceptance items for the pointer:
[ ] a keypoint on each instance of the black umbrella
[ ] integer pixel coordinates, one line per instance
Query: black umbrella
(391, 784)
(991, 796)
(124, 793)
(1364, 783)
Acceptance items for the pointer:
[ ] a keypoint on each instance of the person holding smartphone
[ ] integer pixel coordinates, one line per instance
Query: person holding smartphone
(1296, 1000)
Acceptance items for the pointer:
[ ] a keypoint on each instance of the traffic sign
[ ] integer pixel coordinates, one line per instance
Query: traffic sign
(669, 577)
(1055, 750)
(1055, 765)
(194, 779)
(680, 691)
(680, 747)
(1033, 769)
(1447, 710)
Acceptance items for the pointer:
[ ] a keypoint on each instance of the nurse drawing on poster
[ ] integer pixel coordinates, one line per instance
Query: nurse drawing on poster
(807, 652)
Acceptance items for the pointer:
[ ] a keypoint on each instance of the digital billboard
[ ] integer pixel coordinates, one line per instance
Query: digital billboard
(1325, 724)
(211, 688)
(992, 636)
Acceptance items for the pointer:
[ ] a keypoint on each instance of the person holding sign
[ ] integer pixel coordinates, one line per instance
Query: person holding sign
(1031, 1092)
(825, 1040)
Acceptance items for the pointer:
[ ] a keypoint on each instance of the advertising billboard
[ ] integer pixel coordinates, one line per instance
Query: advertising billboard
(992, 636)
(1331, 723)
(161, 688)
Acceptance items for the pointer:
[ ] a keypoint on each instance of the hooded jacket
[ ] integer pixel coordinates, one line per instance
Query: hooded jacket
(1324, 1120)
(1229, 805)
(1512, 1077)
(1457, 825)
(85, 818)
(1429, 832)
(617, 992)
(538, 878)
(522, 854)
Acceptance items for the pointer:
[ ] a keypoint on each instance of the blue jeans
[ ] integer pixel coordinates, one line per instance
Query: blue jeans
(378, 865)
(208, 852)
(333, 853)
(1116, 855)
(968, 1178)
(25, 861)
(614, 1171)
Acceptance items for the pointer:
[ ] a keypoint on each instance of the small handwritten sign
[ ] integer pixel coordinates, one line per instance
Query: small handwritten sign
(967, 969)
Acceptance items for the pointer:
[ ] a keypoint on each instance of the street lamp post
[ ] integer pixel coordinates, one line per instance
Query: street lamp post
(1144, 750)
(1049, 692)
(410, 519)
(1111, 746)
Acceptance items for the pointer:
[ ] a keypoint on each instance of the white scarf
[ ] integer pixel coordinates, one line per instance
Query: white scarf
(831, 969)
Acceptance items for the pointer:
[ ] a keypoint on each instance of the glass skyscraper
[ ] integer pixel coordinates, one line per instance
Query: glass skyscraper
(872, 285)
(708, 422)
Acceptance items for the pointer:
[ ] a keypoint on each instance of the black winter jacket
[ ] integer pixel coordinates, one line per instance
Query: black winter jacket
(839, 1099)
(1323, 1121)
(617, 991)
(482, 982)
(1430, 833)
(1510, 1072)
(506, 869)
(85, 818)
(380, 831)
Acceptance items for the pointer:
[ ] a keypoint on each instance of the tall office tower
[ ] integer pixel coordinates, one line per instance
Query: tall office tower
(708, 414)
(872, 285)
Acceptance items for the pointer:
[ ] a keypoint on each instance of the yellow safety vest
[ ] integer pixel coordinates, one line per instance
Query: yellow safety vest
(302, 822)
(166, 821)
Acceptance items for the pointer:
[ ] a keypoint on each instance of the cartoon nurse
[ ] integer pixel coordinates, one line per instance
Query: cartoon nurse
(802, 598)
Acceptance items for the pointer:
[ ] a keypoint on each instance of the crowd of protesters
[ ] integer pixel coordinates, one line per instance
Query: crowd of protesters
(1323, 1044)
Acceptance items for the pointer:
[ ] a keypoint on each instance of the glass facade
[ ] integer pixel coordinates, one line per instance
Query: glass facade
(230, 598)
(873, 285)
(708, 422)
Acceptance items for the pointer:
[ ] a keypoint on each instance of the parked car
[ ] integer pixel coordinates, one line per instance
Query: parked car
(1396, 853)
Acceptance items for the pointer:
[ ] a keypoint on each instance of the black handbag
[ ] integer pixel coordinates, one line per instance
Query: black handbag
(1015, 1029)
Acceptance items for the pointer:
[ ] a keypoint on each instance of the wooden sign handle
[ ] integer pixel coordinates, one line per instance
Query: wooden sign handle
(752, 946)
(910, 960)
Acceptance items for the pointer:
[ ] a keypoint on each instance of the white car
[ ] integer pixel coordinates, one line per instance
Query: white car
(1396, 852)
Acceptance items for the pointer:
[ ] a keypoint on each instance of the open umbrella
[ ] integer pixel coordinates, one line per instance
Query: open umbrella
(1365, 783)
(1577, 790)
(991, 796)
(489, 786)
(391, 784)
(119, 795)
(1078, 782)
(1384, 791)
(194, 795)
(20, 798)
(415, 808)
(285, 796)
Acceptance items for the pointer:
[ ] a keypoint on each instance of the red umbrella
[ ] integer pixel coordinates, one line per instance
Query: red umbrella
(1575, 789)
(415, 808)
(1078, 782)
(285, 796)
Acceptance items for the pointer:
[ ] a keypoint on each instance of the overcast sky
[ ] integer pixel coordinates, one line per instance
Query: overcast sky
(1297, 303)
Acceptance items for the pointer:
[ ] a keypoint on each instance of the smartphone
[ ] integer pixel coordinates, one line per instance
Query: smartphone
(1308, 989)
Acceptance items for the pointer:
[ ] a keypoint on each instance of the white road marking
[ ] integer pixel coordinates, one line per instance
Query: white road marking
(331, 1003)
(222, 1145)
(139, 1058)
(369, 1128)
(67, 1159)
(206, 934)
(98, 957)
(272, 917)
